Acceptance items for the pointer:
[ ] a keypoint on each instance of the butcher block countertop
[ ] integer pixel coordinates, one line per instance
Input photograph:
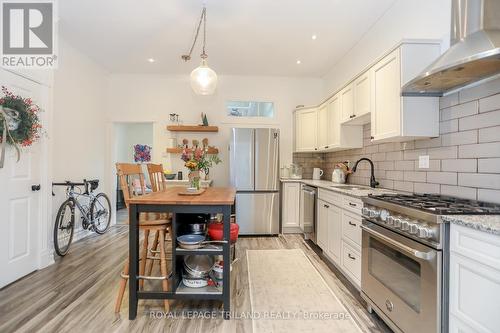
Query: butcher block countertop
(212, 196)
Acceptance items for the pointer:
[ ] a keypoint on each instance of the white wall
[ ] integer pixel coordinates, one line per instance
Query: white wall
(79, 142)
(153, 97)
(128, 135)
(406, 19)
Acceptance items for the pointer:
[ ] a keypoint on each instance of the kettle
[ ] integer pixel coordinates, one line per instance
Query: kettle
(338, 176)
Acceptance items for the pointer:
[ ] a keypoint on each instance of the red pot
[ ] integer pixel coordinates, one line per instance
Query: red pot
(215, 231)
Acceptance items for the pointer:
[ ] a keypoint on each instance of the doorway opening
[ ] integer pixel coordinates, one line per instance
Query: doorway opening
(133, 143)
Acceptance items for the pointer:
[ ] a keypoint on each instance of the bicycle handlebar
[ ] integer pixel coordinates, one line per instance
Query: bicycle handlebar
(68, 183)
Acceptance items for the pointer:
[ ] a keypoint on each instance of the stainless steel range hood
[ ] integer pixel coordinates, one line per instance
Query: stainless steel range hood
(474, 53)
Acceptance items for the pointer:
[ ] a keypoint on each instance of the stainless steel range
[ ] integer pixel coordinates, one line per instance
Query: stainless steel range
(405, 255)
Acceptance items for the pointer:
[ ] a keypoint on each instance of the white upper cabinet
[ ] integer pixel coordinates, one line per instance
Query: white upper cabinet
(306, 132)
(396, 118)
(323, 127)
(347, 102)
(334, 121)
(362, 99)
(374, 96)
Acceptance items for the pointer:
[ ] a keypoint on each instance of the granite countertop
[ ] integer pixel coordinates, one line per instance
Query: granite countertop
(486, 223)
(361, 191)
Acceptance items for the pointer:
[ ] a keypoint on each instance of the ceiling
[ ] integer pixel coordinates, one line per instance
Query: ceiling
(245, 37)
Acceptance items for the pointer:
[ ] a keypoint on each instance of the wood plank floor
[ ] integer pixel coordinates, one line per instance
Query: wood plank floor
(77, 293)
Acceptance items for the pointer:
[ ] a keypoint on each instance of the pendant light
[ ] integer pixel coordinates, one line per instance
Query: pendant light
(203, 78)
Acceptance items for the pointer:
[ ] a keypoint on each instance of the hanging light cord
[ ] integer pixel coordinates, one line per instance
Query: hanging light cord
(203, 19)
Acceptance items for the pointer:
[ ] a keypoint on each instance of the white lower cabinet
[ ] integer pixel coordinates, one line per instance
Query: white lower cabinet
(290, 217)
(474, 281)
(339, 232)
(334, 233)
(322, 225)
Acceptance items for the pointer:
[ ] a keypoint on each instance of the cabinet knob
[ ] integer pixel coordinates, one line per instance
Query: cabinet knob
(372, 138)
(353, 224)
(326, 206)
(351, 256)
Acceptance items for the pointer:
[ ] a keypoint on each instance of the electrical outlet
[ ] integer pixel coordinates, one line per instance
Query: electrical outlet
(423, 162)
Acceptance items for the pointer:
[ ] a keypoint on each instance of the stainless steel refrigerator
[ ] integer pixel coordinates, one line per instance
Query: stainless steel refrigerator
(254, 171)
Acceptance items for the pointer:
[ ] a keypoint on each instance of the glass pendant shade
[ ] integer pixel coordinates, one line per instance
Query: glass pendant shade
(203, 79)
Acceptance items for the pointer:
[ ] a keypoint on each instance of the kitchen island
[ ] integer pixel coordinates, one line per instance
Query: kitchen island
(214, 200)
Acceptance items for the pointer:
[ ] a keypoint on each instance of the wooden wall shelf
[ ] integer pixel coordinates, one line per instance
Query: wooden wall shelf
(179, 150)
(192, 128)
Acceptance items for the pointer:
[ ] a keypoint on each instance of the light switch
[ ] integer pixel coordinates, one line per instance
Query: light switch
(423, 162)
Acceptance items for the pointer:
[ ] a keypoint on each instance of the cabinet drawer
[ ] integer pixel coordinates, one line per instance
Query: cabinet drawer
(330, 197)
(351, 262)
(352, 204)
(476, 245)
(351, 227)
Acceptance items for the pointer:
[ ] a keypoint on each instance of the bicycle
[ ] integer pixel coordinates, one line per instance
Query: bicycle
(95, 215)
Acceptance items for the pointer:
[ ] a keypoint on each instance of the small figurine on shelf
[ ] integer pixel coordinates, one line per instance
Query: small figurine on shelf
(204, 119)
(205, 143)
(185, 143)
(196, 143)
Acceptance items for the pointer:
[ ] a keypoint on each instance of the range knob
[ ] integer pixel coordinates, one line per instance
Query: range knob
(405, 225)
(365, 211)
(374, 213)
(424, 232)
(413, 229)
(397, 222)
(390, 220)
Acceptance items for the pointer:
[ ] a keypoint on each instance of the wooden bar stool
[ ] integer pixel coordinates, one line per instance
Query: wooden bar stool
(128, 175)
(158, 184)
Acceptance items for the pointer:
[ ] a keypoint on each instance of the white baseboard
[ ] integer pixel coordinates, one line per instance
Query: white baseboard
(292, 230)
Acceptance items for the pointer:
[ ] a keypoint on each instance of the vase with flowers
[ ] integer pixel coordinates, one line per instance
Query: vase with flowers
(195, 159)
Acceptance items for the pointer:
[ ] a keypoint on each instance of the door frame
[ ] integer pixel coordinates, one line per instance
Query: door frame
(111, 156)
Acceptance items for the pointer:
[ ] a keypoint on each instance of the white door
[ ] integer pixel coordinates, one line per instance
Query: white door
(334, 122)
(308, 123)
(323, 127)
(322, 225)
(347, 102)
(19, 205)
(334, 232)
(291, 205)
(386, 116)
(362, 95)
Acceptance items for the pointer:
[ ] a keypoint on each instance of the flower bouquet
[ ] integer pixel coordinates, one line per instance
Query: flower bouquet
(197, 158)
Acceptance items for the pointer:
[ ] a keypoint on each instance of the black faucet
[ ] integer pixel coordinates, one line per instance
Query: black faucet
(373, 182)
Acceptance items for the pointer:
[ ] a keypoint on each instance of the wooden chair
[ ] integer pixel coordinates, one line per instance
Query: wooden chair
(128, 175)
(157, 178)
(158, 184)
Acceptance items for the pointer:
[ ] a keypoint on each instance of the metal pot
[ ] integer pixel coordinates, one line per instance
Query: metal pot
(197, 228)
(198, 266)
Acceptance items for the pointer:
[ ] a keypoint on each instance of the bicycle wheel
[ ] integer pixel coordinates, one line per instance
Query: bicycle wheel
(100, 211)
(63, 228)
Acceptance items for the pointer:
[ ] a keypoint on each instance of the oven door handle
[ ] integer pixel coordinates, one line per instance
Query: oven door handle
(415, 253)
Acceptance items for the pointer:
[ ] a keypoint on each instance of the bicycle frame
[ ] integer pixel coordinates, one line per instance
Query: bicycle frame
(70, 193)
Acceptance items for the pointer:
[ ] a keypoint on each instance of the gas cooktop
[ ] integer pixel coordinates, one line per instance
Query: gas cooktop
(439, 204)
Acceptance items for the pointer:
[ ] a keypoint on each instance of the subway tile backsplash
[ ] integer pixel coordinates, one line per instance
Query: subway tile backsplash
(464, 159)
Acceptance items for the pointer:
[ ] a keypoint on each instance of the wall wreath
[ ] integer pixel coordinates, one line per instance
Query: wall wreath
(19, 123)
